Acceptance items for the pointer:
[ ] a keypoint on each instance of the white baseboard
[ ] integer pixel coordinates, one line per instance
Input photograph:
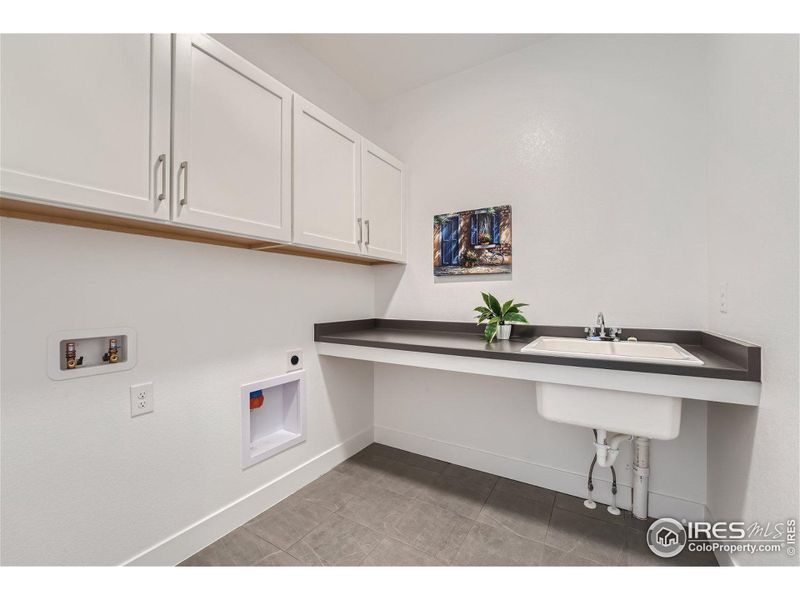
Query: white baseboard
(660, 505)
(197, 536)
(724, 558)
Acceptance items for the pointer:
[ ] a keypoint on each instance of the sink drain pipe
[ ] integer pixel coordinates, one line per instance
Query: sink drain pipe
(607, 448)
(606, 453)
(641, 477)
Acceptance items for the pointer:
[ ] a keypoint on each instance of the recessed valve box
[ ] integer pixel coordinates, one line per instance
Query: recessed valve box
(85, 352)
(273, 416)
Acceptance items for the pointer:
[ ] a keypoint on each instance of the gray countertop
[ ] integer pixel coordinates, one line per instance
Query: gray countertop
(723, 358)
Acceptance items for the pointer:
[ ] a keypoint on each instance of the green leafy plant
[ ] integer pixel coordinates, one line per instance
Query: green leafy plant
(494, 314)
(470, 258)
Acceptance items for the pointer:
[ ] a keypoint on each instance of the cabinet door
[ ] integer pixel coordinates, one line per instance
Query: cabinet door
(382, 203)
(327, 183)
(85, 121)
(232, 136)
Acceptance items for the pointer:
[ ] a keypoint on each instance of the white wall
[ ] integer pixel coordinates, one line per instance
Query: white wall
(83, 482)
(597, 142)
(753, 247)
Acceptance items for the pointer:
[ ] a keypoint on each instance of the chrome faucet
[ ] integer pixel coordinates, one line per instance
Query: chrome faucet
(600, 333)
(601, 323)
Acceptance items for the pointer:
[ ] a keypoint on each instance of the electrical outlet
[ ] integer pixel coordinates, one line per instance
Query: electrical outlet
(141, 399)
(294, 360)
(723, 297)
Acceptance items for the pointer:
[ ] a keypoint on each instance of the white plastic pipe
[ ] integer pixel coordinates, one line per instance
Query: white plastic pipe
(600, 447)
(641, 477)
(608, 449)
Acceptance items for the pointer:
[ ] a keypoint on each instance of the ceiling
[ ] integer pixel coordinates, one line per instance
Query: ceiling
(380, 66)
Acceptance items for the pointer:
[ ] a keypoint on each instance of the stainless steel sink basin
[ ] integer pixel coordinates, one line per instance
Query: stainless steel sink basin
(651, 352)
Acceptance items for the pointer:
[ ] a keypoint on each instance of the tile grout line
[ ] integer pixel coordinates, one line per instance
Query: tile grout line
(414, 498)
(489, 495)
(385, 535)
(542, 542)
(384, 475)
(549, 519)
(454, 563)
(317, 526)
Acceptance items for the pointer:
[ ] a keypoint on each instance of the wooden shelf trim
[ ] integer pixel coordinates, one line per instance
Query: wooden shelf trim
(34, 211)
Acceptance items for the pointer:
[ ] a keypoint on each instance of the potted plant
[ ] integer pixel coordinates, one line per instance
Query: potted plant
(498, 317)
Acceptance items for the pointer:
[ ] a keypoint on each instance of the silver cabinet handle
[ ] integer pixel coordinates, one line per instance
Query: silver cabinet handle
(360, 231)
(162, 162)
(367, 225)
(185, 168)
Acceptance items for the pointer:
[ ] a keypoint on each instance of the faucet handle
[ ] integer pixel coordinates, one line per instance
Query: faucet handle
(615, 332)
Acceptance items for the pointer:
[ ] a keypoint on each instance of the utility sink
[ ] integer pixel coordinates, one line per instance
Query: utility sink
(651, 352)
(645, 415)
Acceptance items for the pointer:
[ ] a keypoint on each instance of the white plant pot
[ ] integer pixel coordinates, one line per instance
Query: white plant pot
(503, 332)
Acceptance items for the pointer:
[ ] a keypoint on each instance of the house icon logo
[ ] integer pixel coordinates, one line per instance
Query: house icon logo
(666, 538)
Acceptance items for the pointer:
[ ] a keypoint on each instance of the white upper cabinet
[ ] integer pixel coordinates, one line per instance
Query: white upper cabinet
(182, 129)
(85, 121)
(232, 143)
(382, 203)
(327, 181)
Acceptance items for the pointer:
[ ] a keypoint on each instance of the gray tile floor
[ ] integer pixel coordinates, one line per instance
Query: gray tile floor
(389, 507)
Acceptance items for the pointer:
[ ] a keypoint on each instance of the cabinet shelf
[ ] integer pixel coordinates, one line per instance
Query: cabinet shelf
(33, 211)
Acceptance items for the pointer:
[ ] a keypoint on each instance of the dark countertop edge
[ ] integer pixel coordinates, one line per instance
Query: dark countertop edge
(744, 355)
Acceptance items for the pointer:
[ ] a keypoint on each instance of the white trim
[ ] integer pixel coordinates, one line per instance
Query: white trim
(724, 558)
(679, 386)
(57, 192)
(197, 536)
(567, 482)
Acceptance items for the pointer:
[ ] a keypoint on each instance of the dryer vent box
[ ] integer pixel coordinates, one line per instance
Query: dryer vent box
(273, 416)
